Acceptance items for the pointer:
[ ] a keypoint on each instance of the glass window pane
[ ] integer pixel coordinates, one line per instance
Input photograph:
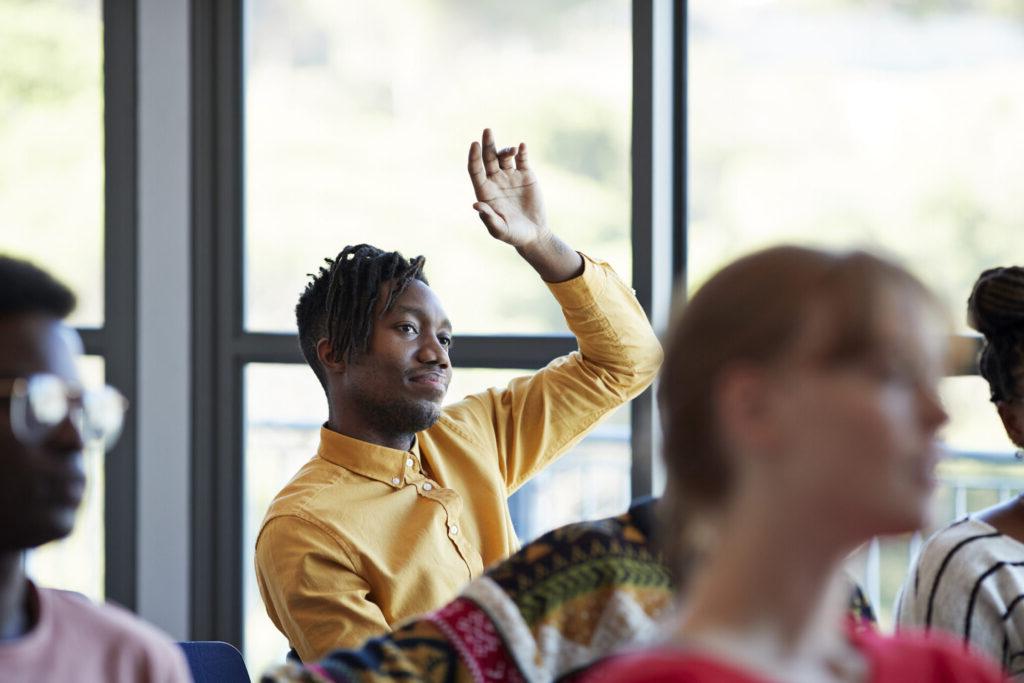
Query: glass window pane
(800, 130)
(974, 426)
(358, 119)
(803, 130)
(285, 407)
(51, 131)
(77, 562)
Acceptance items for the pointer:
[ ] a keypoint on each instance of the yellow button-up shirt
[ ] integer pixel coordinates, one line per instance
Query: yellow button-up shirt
(365, 536)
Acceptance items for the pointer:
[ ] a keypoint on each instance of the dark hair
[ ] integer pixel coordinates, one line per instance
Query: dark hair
(25, 288)
(996, 309)
(753, 311)
(338, 303)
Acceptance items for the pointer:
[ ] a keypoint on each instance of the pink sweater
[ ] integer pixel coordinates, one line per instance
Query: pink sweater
(76, 640)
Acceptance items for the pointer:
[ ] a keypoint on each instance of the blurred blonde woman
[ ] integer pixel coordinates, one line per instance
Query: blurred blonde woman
(800, 409)
(968, 579)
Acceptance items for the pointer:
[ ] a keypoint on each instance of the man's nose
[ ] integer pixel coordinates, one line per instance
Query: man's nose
(433, 351)
(67, 434)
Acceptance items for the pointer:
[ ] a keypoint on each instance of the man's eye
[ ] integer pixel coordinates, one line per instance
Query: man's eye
(446, 342)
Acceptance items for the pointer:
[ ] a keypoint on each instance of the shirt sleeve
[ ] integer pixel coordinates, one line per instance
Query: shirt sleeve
(539, 417)
(312, 589)
(985, 626)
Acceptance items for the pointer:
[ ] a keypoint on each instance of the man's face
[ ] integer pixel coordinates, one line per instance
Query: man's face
(41, 486)
(398, 385)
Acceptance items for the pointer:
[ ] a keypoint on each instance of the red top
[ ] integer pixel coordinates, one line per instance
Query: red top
(890, 659)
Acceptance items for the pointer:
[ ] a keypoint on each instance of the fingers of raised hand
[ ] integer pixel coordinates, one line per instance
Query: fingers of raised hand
(521, 161)
(476, 166)
(505, 158)
(490, 152)
(494, 223)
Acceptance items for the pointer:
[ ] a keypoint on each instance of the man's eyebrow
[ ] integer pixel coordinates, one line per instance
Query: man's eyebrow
(419, 313)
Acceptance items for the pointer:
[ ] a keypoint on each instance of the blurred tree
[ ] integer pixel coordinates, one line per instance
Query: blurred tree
(51, 132)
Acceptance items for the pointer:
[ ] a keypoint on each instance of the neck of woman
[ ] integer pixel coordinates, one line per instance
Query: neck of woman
(771, 595)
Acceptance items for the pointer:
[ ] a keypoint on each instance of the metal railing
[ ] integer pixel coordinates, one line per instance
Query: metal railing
(986, 477)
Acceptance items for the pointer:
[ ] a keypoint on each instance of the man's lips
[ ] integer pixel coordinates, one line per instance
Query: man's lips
(437, 379)
(67, 490)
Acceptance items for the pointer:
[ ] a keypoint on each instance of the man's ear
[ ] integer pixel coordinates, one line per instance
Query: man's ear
(325, 355)
(1013, 421)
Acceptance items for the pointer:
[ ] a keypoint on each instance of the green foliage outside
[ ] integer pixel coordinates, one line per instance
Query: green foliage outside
(51, 134)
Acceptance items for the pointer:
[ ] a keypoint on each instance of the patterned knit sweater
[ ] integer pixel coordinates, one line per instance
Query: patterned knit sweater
(566, 600)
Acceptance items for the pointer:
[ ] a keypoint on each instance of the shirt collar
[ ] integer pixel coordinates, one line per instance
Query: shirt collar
(386, 465)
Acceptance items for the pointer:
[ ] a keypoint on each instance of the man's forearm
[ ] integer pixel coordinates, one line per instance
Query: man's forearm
(553, 259)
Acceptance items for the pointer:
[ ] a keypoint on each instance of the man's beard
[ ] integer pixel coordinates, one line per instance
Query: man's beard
(400, 417)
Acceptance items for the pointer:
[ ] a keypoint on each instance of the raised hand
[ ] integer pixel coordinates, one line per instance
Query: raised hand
(508, 196)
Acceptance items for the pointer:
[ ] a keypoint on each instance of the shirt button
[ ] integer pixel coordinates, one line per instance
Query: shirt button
(409, 463)
(427, 486)
(454, 529)
(396, 481)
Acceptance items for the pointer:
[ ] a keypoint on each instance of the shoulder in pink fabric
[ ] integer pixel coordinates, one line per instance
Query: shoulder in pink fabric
(77, 640)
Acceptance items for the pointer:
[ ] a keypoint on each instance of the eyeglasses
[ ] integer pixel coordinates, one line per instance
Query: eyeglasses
(40, 403)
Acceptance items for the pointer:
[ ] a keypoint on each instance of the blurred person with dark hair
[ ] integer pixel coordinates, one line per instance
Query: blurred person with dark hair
(405, 501)
(46, 417)
(968, 578)
(800, 407)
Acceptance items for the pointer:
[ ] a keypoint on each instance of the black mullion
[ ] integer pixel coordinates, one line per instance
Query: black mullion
(641, 152)
(680, 143)
(230, 477)
(641, 436)
(204, 316)
(94, 340)
(469, 351)
(117, 340)
(217, 129)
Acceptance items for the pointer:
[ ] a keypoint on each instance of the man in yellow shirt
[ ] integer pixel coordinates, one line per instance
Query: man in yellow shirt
(406, 501)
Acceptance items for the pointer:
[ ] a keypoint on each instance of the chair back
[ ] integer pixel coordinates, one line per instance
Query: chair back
(212, 661)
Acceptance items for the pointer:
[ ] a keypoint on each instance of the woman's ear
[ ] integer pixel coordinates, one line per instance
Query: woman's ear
(325, 354)
(1010, 412)
(744, 406)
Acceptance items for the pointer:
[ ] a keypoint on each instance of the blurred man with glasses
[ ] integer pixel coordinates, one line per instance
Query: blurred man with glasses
(46, 419)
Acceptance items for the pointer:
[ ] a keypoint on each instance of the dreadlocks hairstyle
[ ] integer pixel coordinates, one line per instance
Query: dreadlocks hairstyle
(339, 302)
(996, 309)
(24, 288)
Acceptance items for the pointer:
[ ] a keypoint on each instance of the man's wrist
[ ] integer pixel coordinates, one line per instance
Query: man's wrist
(539, 246)
(553, 259)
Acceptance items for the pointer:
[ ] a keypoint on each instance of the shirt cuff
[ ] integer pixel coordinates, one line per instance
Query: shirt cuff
(585, 288)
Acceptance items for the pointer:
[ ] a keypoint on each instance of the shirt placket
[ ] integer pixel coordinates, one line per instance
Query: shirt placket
(451, 502)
